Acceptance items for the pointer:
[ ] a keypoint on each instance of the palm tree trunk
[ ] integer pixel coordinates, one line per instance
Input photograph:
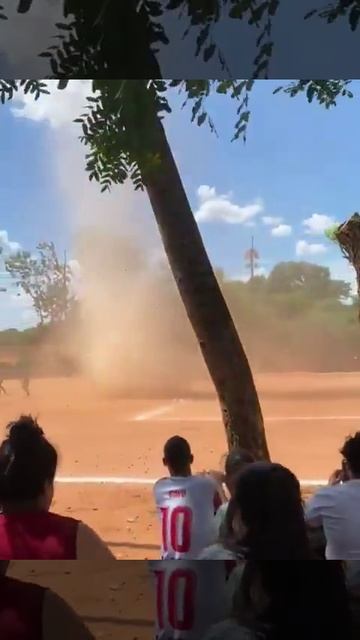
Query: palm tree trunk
(206, 308)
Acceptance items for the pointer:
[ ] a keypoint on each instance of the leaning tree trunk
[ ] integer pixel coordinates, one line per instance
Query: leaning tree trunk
(348, 237)
(204, 303)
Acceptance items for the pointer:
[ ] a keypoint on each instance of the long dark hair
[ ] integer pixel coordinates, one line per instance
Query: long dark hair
(305, 600)
(27, 461)
(268, 499)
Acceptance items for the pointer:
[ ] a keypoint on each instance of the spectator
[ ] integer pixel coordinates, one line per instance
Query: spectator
(236, 461)
(31, 612)
(186, 504)
(265, 517)
(28, 530)
(336, 507)
(283, 600)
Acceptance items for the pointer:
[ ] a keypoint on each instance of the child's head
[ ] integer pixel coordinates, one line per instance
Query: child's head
(27, 467)
(236, 461)
(178, 457)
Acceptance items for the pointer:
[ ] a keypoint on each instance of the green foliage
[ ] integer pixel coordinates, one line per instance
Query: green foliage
(349, 9)
(331, 232)
(9, 87)
(290, 329)
(45, 279)
(102, 35)
(326, 92)
(311, 280)
(118, 126)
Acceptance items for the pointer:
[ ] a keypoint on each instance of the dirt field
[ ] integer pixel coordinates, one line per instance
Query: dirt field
(115, 601)
(111, 448)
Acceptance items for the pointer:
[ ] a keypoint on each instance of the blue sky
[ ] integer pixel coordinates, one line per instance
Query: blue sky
(300, 162)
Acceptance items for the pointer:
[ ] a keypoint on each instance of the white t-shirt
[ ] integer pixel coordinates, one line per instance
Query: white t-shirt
(187, 507)
(220, 517)
(337, 509)
(190, 596)
(216, 551)
(229, 630)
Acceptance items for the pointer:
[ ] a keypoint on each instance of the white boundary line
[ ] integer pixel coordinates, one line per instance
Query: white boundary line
(143, 481)
(154, 413)
(103, 480)
(269, 419)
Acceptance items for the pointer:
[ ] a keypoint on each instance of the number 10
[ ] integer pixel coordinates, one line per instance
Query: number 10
(180, 520)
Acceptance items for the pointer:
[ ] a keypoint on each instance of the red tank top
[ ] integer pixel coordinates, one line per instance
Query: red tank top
(37, 536)
(21, 610)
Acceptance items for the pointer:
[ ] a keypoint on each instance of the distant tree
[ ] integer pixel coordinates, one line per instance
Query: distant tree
(312, 280)
(45, 279)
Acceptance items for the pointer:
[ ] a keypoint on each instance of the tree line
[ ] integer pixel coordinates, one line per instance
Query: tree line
(296, 318)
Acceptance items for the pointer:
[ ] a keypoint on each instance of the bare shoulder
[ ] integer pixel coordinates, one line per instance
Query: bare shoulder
(90, 546)
(60, 620)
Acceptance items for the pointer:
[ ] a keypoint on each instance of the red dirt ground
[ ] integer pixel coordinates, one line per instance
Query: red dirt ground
(307, 417)
(115, 601)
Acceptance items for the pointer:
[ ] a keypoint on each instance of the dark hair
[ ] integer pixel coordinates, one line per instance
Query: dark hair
(351, 452)
(177, 452)
(236, 459)
(305, 599)
(27, 461)
(268, 497)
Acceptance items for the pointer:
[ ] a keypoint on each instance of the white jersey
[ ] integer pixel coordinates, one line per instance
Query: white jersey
(190, 596)
(187, 507)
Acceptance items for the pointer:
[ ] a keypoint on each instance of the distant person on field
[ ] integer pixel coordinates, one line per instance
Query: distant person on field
(186, 504)
(31, 612)
(265, 519)
(28, 529)
(25, 385)
(2, 388)
(337, 507)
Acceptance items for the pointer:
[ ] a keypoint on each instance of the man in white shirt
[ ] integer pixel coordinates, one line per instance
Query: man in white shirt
(186, 504)
(337, 507)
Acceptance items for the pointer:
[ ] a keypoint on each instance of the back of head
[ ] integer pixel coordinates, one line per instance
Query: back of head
(351, 452)
(268, 497)
(177, 454)
(27, 462)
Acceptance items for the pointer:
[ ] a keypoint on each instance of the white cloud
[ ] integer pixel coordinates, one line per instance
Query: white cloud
(318, 223)
(281, 231)
(59, 108)
(7, 247)
(304, 248)
(206, 193)
(220, 208)
(271, 221)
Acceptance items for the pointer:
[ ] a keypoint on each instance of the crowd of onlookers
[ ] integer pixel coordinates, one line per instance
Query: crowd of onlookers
(249, 519)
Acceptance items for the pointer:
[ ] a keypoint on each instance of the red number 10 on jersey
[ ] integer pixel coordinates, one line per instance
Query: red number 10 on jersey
(175, 599)
(176, 528)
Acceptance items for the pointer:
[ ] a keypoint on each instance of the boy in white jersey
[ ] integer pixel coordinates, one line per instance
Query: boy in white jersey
(191, 596)
(186, 504)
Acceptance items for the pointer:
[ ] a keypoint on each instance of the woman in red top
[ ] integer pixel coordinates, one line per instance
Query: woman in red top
(28, 529)
(31, 612)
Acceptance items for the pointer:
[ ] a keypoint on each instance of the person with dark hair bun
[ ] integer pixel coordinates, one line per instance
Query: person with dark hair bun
(31, 612)
(265, 519)
(269, 517)
(28, 529)
(288, 601)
